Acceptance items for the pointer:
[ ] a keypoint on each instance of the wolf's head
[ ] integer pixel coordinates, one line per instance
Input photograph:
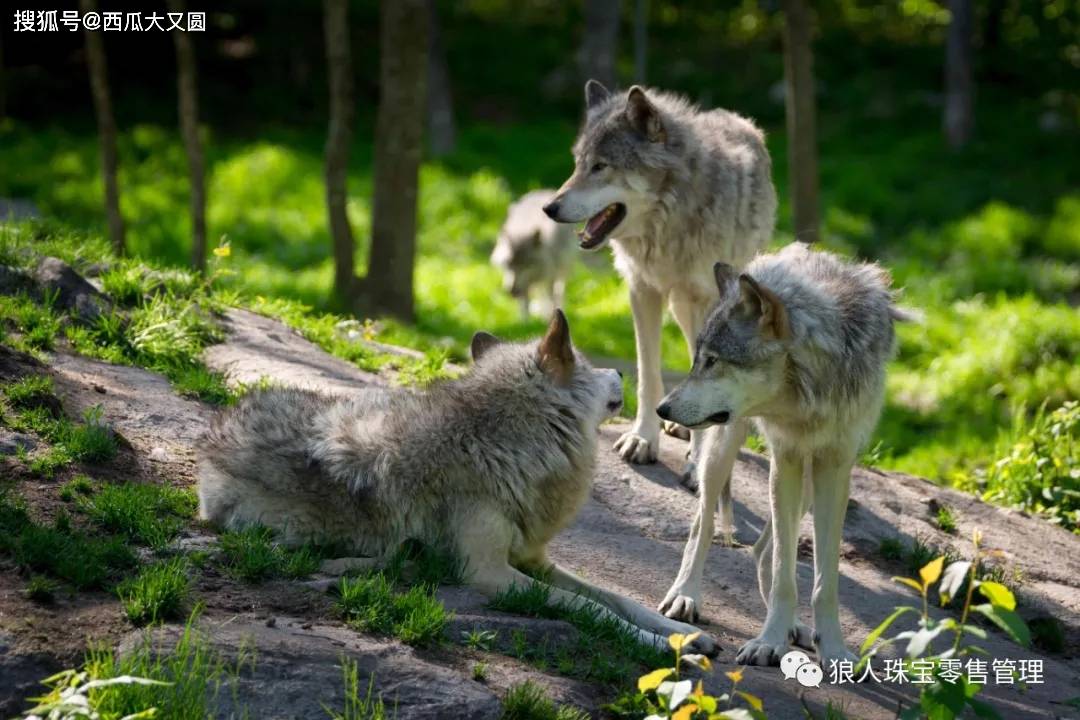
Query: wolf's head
(550, 369)
(518, 256)
(740, 357)
(620, 158)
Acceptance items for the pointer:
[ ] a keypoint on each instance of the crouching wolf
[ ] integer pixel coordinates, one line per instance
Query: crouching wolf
(491, 465)
(535, 254)
(799, 342)
(676, 189)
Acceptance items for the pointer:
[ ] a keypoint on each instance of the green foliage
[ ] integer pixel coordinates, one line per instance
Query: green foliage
(253, 555)
(357, 706)
(424, 371)
(76, 487)
(191, 670)
(605, 650)
(36, 323)
(479, 672)
(70, 696)
(30, 392)
(147, 514)
(946, 520)
(891, 548)
(945, 698)
(478, 639)
(83, 560)
(427, 564)
(529, 701)
(159, 592)
(371, 603)
(1039, 469)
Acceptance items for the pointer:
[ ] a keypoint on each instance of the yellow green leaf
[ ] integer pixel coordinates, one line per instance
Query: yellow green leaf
(735, 675)
(931, 571)
(908, 581)
(652, 681)
(223, 251)
(753, 700)
(678, 641)
(998, 594)
(685, 712)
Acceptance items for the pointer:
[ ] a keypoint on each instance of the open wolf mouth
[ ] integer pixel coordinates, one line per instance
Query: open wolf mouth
(600, 225)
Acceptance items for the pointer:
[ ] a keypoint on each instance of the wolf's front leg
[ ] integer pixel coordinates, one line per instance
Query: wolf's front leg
(786, 491)
(721, 446)
(642, 442)
(832, 483)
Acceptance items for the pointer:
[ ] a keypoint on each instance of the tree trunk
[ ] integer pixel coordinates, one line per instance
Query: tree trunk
(801, 132)
(599, 42)
(399, 132)
(3, 78)
(641, 40)
(99, 86)
(338, 140)
(442, 134)
(958, 83)
(187, 90)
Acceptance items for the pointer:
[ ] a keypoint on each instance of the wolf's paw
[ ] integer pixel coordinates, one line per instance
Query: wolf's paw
(635, 448)
(761, 651)
(676, 430)
(679, 606)
(704, 644)
(830, 651)
(802, 636)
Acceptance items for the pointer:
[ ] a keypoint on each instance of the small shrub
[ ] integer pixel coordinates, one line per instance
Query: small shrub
(479, 639)
(159, 592)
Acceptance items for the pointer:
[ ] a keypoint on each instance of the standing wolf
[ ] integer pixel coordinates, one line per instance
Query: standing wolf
(799, 342)
(491, 465)
(535, 254)
(676, 189)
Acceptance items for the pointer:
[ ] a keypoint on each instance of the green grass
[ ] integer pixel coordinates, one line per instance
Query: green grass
(83, 560)
(77, 487)
(253, 556)
(891, 548)
(41, 589)
(605, 650)
(159, 592)
(946, 519)
(150, 515)
(371, 603)
(193, 670)
(529, 701)
(479, 672)
(358, 705)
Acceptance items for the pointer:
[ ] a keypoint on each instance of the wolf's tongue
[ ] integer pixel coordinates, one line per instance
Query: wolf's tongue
(597, 221)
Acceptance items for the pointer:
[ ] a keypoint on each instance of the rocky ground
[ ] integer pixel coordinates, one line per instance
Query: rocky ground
(629, 538)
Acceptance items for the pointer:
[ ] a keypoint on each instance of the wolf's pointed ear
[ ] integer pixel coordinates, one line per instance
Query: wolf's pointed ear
(643, 115)
(556, 354)
(481, 343)
(725, 278)
(595, 94)
(758, 301)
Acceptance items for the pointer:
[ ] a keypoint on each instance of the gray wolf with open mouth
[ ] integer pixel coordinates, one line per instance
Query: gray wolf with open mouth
(675, 189)
(535, 254)
(491, 465)
(799, 342)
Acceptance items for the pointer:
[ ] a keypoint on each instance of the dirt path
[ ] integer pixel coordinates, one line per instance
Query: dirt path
(629, 537)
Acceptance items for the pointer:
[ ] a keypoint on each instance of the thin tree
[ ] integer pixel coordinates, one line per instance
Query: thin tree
(399, 132)
(801, 132)
(187, 91)
(641, 40)
(958, 82)
(442, 133)
(599, 41)
(99, 87)
(338, 140)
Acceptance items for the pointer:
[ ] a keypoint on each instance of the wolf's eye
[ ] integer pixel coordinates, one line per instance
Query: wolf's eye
(598, 167)
(710, 360)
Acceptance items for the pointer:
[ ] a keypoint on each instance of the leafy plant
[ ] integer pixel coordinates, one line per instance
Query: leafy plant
(951, 690)
(946, 519)
(478, 639)
(72, 695)
(528, 701)
(667, 695)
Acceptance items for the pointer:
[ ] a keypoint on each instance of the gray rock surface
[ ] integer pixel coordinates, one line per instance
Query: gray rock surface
(55, 278)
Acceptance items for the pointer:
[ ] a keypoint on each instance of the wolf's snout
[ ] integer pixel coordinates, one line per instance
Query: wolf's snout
(664, 410)
(720, 418)
(552, 210)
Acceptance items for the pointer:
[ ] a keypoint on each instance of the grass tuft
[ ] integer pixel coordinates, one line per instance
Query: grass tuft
(41, 589)
(253, 555)
(79, 486)
(159, 592)
(357, 706)
(151, 515)
(370, 603)
(529, 701)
